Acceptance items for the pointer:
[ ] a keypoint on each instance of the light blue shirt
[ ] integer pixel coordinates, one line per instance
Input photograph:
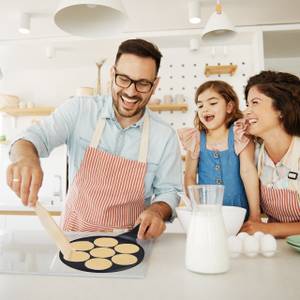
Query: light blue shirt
(73, 123)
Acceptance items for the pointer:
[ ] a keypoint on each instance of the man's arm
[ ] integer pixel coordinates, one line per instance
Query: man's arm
(167, 183)
(25, 175)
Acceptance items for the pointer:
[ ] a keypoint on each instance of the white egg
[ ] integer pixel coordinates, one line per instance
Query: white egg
(268, 245)
(235, 246)
(258, 235)
(242, 235)
(250, 246)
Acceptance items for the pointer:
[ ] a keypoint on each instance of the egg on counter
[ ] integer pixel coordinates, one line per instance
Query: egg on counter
(258, 235)
(250, 246)
(268, 245)
(235, 246)
(242, 235)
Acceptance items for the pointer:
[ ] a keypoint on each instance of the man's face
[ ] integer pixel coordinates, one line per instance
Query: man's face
(129, 102)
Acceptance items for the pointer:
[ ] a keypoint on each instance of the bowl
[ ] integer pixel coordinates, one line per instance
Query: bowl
(233, 218)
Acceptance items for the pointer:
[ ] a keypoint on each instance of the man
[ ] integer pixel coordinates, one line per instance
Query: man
(120, 154)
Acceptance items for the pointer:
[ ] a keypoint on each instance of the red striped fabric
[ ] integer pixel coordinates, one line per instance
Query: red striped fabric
(107, 193)
(280, 205)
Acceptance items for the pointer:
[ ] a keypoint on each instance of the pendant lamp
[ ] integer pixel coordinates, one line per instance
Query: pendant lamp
(194, 7)
(218, 23)
(91, 18)
(25, 22)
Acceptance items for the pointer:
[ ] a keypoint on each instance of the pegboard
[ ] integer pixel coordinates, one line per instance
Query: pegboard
(182, 72)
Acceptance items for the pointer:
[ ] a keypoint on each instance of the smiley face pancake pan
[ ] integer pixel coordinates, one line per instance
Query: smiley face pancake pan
(103, 254)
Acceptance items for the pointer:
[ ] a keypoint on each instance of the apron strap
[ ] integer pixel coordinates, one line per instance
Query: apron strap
(97, 133)
(143, 151)
(144, 140)
(260, 159)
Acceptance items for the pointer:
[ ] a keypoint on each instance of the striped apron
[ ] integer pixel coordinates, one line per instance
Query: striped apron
(280, 204)
(107, 192)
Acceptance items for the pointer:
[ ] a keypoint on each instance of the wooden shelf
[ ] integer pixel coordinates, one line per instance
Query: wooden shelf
(35, 111)
(168, 107)
(220, 69)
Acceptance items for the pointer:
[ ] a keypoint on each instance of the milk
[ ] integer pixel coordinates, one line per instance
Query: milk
(206, 245)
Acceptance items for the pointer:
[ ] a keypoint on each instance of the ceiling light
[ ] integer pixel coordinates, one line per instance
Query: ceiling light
(24, 23)
(50, 52)
(218, 23)
(91, 18)
(194, 11)
(194, 44)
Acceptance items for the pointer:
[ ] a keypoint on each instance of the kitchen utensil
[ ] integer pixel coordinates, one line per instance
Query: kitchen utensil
(9, 101)
(125, 238)
(206, 244)
(294, 240)
(293, 246)
(233, 218)
(98, 85)
(53, 230)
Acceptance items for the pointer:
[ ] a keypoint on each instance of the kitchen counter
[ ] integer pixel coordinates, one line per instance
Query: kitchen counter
(166, 278)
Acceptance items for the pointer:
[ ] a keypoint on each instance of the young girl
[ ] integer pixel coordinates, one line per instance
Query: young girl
(218, 152)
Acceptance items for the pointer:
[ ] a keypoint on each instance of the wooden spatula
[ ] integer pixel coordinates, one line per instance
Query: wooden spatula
(54, 231)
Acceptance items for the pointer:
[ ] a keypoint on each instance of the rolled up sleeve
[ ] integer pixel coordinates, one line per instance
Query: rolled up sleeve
(168, 180)
(54, 130)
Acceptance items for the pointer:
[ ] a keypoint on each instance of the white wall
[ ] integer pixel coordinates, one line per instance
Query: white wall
(288, 64)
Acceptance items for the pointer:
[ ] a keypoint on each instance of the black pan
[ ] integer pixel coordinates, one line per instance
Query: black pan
(125, 238)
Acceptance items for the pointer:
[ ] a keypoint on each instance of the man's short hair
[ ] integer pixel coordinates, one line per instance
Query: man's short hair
(140, 48)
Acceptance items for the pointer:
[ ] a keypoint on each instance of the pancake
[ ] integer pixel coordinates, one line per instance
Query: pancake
(127, 248)
(124, 259)
(78, 256)
(82, 245)
(98, 264)
(105, 242)
(102, 252)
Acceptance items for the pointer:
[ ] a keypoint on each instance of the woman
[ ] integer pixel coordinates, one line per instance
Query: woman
(273, 116)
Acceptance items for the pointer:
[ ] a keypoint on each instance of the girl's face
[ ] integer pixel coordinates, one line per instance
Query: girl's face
(213, 109)
(261, 115)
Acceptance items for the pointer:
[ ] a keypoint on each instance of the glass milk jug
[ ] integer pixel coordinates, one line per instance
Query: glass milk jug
(206, 244)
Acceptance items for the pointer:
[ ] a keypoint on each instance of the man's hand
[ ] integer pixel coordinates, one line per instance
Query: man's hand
(24, 176)
(151, 221)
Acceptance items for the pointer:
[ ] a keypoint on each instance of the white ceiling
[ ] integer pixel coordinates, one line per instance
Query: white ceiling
(146, 18)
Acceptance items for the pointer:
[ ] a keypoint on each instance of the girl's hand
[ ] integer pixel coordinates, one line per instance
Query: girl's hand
(253, 226)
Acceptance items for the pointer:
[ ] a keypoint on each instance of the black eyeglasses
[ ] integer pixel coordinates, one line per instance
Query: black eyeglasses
(141, 86)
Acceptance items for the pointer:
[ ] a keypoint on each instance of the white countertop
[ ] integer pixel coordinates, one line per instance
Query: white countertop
(166, 278)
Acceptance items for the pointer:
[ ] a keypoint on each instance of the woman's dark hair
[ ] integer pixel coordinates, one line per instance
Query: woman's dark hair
(284, 90)
(227, 92)
(140, 48)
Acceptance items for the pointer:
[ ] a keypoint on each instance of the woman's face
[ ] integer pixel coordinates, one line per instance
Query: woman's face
(212, 109)
(262, 117)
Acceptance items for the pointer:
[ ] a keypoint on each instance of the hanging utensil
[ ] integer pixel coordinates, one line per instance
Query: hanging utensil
(98, 85)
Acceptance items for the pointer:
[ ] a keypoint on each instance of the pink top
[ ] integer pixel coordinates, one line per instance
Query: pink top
(190, 139)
